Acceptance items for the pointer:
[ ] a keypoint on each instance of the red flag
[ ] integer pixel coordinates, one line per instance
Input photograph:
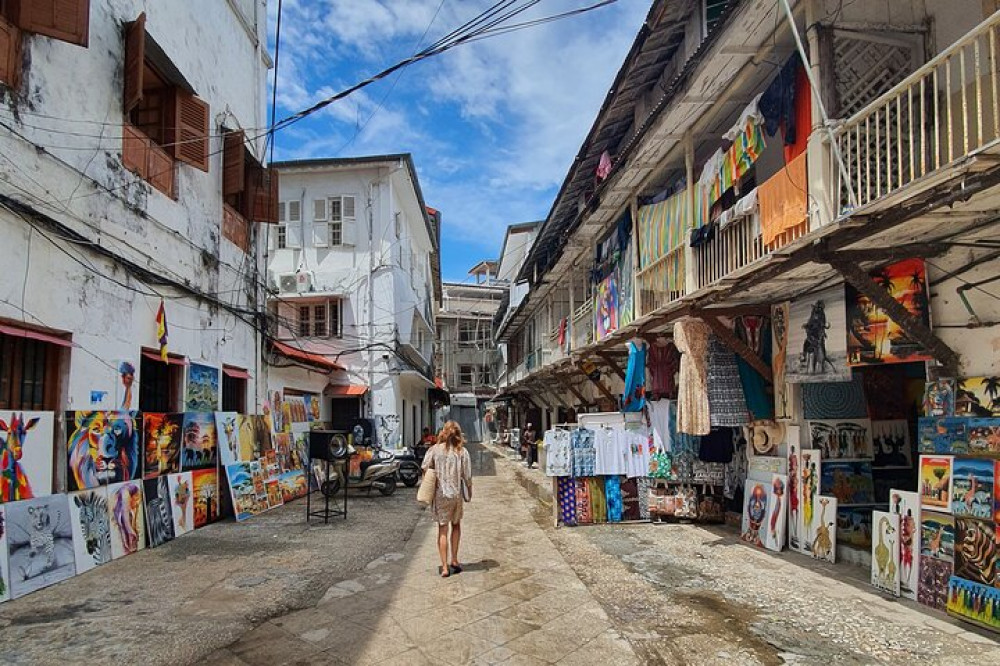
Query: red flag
(161, 330)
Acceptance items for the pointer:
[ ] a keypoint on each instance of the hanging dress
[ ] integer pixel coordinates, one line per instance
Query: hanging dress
(634, 397)
(691, 338)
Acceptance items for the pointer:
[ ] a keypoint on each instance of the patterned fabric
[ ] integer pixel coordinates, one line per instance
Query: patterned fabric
(613, 492)
(567, 501)
(691, 338)
(660, 465)
(598, 500)
(634, 396)
(630, 500)
(642, 490)
(835, 400)
(584, 515)
(664, 364)
(582, 441)
(558, 453)
(727, 402)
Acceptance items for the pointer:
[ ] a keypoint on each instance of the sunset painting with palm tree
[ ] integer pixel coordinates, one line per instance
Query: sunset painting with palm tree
(978, 396)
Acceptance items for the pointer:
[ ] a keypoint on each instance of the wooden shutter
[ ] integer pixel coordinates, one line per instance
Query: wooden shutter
(66, 20)
(261, 194)
(10, 53)
(348, 224)
(293, 235)
(294, 210)
(135, 60)
(319, 210)
(321, 234)
(233, 164)
(190, 137)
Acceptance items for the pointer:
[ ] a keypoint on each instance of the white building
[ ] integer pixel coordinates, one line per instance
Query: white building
(355, 278)
(517, 244)
(112, 195)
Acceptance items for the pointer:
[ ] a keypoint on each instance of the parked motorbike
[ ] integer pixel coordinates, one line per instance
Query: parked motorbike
(409, 465)
(380, 473)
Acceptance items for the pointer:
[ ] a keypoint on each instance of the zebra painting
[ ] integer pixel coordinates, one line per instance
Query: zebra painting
(159, 514)
(91, 523)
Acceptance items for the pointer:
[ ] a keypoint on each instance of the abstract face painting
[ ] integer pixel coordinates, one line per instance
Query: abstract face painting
(128, 526)
(103, 448)
(162, 444)
(26, 442)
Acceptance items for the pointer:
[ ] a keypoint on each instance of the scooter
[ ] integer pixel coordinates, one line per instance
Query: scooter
(380, 473)
(409, 465)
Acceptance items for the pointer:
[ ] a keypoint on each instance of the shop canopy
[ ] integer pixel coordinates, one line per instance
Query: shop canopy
(235, 373)
(296, 354)
(345, 390)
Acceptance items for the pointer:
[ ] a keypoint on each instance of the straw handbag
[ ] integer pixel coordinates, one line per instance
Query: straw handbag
(425, 494)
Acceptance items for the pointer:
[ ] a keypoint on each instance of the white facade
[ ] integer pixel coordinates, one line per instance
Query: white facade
(90, 246)
(354, 227)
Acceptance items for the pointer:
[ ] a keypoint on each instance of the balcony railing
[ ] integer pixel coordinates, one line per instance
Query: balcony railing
(583, 325)
(941, 113)
(663, 282)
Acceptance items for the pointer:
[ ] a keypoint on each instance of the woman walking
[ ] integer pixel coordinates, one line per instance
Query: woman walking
(451, 463)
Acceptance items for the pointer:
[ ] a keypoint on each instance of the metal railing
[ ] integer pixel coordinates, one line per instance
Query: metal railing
(662, 282)
(942, 112)
(583, 325)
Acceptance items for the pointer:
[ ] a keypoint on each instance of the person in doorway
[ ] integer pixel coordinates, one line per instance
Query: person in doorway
(530, 445)
(453, 467)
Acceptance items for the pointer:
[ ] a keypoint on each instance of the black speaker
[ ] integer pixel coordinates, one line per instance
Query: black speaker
(327, 445)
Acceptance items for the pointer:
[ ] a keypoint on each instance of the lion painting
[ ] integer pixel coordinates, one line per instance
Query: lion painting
(103, 448)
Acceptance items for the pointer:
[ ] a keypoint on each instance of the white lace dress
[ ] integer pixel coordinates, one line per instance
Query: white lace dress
(452, 466)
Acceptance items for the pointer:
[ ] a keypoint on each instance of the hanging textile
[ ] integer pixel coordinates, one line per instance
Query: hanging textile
(777, 104)
(567, 500)
(606, 307)
(784, 200)
(584, 514)
(663, 227)
(664, 364)
(798, 139)
(613, 493)
(755, 331)
(726, 400)
(691, 338)
(642, 489)
(634, 397)
(582, 441)
(558, 453)
(626, 296)
(630, 500)
(598, 500)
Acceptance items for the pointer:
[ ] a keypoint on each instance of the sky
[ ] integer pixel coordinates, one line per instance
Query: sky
(493, 126)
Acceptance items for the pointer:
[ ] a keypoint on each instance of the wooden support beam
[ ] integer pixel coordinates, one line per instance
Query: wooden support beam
(911, 325)
(599, 384)
(536, 395)
(612, 364)
(729, 338)
(572, 389)
(891, 254)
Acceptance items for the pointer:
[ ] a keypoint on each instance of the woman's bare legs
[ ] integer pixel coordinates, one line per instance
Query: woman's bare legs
(443, 548)
(456, 536)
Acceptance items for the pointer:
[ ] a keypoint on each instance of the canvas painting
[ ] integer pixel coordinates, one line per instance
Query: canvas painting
(849, 481)
(103, 448)
(841, 439)
(4, 571)
(809, 488)
(996, 499)
(935, 482)
(834, 400)
(292, 484)
(755, 515)
(906, 505)
(817, 346)
(39, 543)
(937, 536)
(205, 496)
(972, 488)
(824, 530)
(181, 502)
(264, 442)
(246, 429)
(873, 338)
(90, 521)
(978, 396)
(311, 403)
(278, 413)
(26, 448)
(241, 489)
(606, 307)
(984, 436)
(762, 468)
(126, 392)
(943, 435)
(975, 550)
(891, 445)
(773, 532)
(794, 494)
(933, 589)
(202, 389)
(885, 552)
(274, 497)
(228, 437)
(854, 527)
(939, 398)
(128, 521)
(161, 444)
(200, 446)
(779, 360)
(975, 602)
(298, 408)
(159, 511)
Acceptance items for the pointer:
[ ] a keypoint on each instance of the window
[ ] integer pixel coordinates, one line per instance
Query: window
(234, 390)
(29, 373)
(247, 187)
(160, 383)
(288, 233)
(485, 375)
(713, 11)
(166, 121)
(65, 20)
(319, 320)
(473, 333)
(466, 374)
(280, 237)
(334, 221)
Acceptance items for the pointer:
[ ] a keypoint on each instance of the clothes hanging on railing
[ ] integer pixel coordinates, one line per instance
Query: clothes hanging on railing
(664, 364)
(558, 453)
(582, 441)
(634, 397)
(784, 200)
(726, 400)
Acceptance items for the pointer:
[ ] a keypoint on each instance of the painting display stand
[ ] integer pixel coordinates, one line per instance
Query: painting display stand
(326, 512)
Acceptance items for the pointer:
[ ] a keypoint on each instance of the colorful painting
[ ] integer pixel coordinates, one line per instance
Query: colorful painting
(205, 496)
(841, 439)
(159, 511)
(809, 489)
(297, 406)
(972, 488)
(274, 497)
(4, 572)
(755, 514)
(891, 445)
(885, 552)
(103, 448)
(975, 550)
(817, 347)
(299, 453)
(934, 575)
(90, 521)
(246, 431)
(26, 450)
(626, 278)
(935, 482)
(794, 494)
(128, 522)
(996, 500)
(943, 435)
(125, 393)
(202, 390)
(311, 403)
(984, 436)
(39, 543)
(200, 448)
(824, 530)
(241, 489)
(937, 536)
(978, 396)
(606, 306)
(278, 414)
(854, 527)
(292, 484)
(779, 360)
(873, 338)
(264, 443)
(227, 434)
(850, 482)
(906, 505)
(939, 398)
(773, 532)
(161, 444)
(974, 602)
(181, 487)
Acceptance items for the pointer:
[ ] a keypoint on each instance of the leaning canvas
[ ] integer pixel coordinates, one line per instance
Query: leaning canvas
(935, 482)
(39, 543)
(975, 550)
(817, 344)
(227, 434)
(972, 488)
(159, 511)
(181, 488)
(161, 444)
(102, 448)
(773, 531)
(906, 505)
(4, 571)
(205, 496)
(885, 552)
(809, 489)
(128, 518)
(90, 520)
(824, 530)
(26, 449)
(242, 491)
(200, 448)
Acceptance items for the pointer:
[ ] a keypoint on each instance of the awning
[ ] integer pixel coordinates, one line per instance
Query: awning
(235, 373)
(171, 358)
(306, 357)
(345, 390)
(18, 332)
(439, 395)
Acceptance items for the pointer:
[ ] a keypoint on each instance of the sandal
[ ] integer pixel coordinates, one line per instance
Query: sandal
(455, 568)
(443, 573)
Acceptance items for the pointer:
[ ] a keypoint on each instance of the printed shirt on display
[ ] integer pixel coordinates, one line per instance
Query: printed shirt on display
(558, 453)
(583, 452)
(609, 452)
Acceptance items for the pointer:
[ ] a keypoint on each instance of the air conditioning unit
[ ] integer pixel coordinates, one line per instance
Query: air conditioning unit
(303, 282)
(287, 283)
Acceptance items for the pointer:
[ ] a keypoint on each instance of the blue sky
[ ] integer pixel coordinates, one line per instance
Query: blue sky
(493, 126)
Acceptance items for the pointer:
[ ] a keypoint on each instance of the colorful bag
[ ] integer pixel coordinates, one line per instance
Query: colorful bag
(687, 503)
(660, 465)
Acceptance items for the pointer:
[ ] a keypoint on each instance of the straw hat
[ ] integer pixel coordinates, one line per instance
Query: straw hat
(765, 436)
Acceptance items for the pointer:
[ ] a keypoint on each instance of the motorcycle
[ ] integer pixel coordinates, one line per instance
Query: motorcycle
(381, 472)
(410, 465)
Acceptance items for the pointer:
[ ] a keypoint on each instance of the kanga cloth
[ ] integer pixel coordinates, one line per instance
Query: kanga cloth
(664, 363)
(634, 397)
(630, 499)
(642, 488)
(726, 400)
(598, 500)
(613, 493)
(567, 500)
(558, 453)
(584, 455)
(583, 513)
(783, 200)
(691, 338)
